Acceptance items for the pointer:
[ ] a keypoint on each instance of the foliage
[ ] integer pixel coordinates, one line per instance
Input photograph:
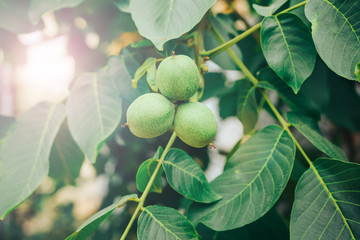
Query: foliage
(259, 177)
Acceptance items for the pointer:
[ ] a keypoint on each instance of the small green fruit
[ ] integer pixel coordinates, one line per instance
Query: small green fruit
(195, 124)
(150, 115)
(178, 77)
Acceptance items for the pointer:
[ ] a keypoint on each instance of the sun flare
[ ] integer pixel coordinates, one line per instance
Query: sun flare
(47, 72)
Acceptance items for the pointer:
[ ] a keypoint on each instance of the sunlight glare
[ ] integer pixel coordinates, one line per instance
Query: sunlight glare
(47, 73)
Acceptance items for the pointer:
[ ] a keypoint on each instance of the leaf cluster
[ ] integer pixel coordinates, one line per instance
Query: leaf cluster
(309, 58)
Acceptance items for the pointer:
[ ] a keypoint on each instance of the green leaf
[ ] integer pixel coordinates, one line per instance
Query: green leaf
(158, 153)
(271, 226)
(273, 6)
(142, 70)
(298, 170)
(116, 71)
(288, 48)
(151, 75)
(187, 178)
(24, 155)
(122, 5)
(94, 111)
(343, 100)
(159, 20)
(14, 17)
(144, 174)
(300, 12)
(309, 128)
(228, 103)
(65, 157)
(254, 59)
(336, 33)
(253, 180)
(247, 111)
(214, 84)
(357, 71)
(298, 102)
(131, 65)
(164, 223)
(38, 7)
(142, 44)
(92, 223)
(319, 79)
(225, 26)
(327, 202)
(5, 124)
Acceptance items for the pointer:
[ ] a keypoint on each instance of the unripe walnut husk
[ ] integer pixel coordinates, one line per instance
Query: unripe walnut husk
(150, 115)
(195, 124)
(178, 77)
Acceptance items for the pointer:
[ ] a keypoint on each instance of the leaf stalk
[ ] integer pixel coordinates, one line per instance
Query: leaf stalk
(215, 51)
(254, 80)
(140, 205)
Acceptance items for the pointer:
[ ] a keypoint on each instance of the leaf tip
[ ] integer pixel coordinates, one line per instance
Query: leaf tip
(134, 83)
(217, 197)
(157, 190)
(34, 18)
(357, 71)
(296, 89)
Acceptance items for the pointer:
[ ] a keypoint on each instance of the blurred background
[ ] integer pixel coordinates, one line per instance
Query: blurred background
(41, 63)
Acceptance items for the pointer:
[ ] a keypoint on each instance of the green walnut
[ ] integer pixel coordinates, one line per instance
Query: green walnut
(178, 77)
(150, 115)
(195, 124)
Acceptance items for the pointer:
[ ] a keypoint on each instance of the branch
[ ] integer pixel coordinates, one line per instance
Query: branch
(254, 80)
(148, 186)
(213, 52)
